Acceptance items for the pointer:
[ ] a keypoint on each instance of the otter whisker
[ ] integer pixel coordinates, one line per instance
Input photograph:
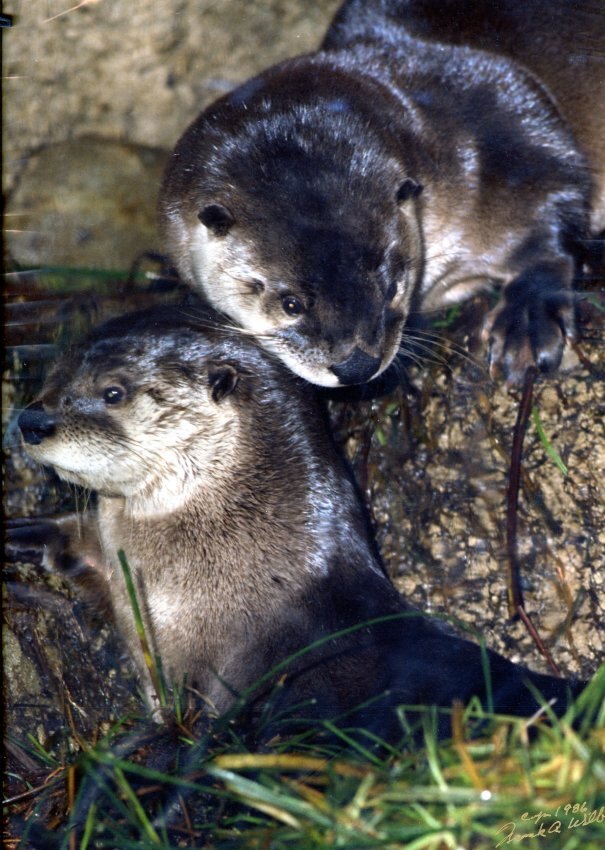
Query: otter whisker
(426, 341)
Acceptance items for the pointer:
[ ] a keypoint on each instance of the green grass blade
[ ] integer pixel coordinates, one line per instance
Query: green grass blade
(129, 793)
(548, 446)
(151, 662)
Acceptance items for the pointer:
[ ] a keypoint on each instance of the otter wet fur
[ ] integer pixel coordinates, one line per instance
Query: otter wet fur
(321, 203)
(247, 540)
(562, 43)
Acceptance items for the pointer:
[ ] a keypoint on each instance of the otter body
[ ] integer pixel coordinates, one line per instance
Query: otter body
(219, 484)
(321, 202)
(242, 528)
(561, 42)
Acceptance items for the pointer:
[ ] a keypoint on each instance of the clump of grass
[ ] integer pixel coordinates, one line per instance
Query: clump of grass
(186, 785)
(463, 793)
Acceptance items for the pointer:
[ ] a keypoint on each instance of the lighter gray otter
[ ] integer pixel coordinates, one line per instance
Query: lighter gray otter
(218, 478)
(323, 201)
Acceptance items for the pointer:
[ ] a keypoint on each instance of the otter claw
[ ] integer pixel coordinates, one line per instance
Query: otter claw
(515, 346)
(529, 327)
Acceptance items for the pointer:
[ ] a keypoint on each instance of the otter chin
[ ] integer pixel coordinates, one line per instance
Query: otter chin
(257, 575)
(319, 204)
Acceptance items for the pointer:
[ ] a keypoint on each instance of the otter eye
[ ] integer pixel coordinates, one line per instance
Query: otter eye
(217, 218)
(113, 395)
(391, 291)
(292, 306)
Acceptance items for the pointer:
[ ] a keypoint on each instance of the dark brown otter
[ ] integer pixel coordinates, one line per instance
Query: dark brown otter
(247, 540)
(321, 202)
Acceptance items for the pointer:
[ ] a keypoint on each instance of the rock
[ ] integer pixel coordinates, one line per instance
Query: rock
(137, 71)
(86, 203)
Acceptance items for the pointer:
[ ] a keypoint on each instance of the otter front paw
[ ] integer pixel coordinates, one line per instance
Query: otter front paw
(32, 540)
(530, 326)
(50, 542)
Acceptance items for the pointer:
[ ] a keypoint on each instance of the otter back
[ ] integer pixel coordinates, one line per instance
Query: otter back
(561, 42)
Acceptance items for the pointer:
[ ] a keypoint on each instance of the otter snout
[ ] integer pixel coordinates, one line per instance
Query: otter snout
(36, 424)
(358, 368)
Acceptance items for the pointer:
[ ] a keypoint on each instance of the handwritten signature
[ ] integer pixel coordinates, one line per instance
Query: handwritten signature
(570, 816)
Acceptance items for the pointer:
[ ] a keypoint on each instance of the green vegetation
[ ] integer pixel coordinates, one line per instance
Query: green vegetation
(152, 662)
(63, 281)
(548, 447)
(497, 778)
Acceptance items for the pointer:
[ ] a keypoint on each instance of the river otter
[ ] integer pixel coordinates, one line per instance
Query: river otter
(218, 478)
(321, 202)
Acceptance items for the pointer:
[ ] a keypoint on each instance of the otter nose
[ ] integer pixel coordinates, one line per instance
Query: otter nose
(356, 369)
(36, 424)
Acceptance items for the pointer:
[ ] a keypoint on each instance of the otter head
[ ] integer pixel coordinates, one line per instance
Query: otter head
(296, 231)
(139, 409)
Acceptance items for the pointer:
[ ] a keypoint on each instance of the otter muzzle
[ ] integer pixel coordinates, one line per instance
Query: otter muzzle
(357, 369)
(36, 424)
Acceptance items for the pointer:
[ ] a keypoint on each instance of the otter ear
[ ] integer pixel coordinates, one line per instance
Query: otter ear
(217, 218)
(222, 379)
(408, 189)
